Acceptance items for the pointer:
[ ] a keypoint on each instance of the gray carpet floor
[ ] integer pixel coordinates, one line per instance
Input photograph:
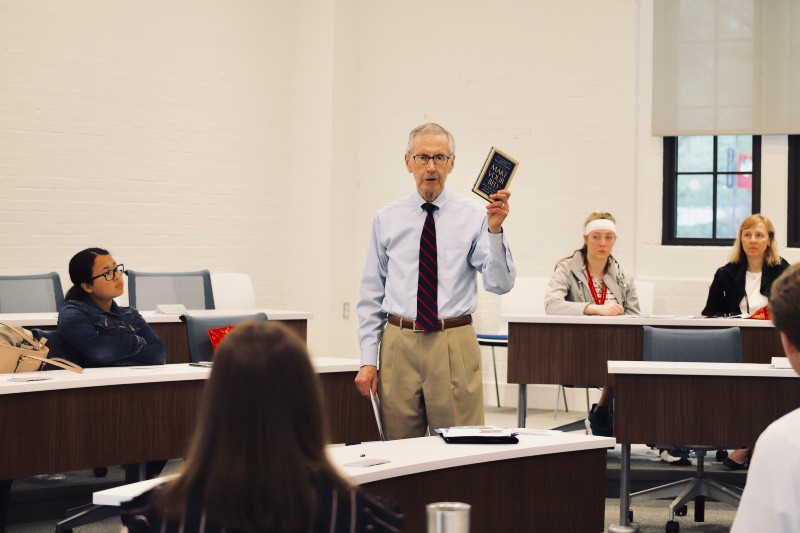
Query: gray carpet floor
(650, 516)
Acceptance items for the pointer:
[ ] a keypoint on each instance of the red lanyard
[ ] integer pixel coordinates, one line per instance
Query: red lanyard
(602, 299)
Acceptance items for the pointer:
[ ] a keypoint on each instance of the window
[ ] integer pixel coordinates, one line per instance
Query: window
(793, 218)
(711, 184)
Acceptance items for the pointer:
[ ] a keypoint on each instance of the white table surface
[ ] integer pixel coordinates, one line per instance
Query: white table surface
(627, 320)
(51, 319)
(127, 375)
(699, 369)
(412, 456)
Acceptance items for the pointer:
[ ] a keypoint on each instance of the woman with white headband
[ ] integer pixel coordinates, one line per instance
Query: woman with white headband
(591, 282)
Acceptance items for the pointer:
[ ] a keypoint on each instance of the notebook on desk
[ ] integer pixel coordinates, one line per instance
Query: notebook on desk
(478, 435)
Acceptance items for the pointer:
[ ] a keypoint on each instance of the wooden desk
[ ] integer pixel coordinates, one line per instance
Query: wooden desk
(687, 402)
(555, 481)
(575, 349)
(108, 416)
(169, 327)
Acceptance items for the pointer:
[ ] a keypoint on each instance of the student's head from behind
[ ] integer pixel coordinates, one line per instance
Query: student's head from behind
(259, 446)
(784, 307)
(95, 276)
(756, 240)
(263, 386)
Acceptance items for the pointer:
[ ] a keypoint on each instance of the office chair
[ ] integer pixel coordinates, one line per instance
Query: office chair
(38, 293)
(233, 291)
(193, 290)
(200, 348)
(692, 345)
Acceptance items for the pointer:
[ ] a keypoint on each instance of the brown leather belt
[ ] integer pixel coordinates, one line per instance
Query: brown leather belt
(442, 325)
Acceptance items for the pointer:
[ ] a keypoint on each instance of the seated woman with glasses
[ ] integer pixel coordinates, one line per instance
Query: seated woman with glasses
(257, 460)
(94, 330)
(742, 286)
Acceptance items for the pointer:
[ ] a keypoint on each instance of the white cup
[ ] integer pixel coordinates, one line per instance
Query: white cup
(448, 517)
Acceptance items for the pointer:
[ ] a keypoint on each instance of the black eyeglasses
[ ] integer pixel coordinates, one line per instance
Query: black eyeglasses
(439, 160)
(111, 275)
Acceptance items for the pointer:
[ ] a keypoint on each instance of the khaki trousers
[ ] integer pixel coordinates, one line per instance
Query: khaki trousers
(429, 380)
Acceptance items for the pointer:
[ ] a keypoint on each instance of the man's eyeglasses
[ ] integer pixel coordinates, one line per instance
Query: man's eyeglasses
(111, 275)
(439, 160)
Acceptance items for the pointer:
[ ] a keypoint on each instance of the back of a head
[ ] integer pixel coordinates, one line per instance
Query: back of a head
(259, 446)
(784, 303)
(263, 381)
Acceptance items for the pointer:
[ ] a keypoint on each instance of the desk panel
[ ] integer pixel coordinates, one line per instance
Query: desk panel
(78, 428)
(721, 411)
(559, 492)
(576, 353)
(75, 429)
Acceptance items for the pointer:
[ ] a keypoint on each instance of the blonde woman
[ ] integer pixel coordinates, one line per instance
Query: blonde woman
(742, 286)
(592, 282)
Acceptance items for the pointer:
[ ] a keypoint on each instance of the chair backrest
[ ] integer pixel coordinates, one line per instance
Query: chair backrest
(146, 290)
(526, 298)
(38, 293)
(646, 292)
(233, 291)
(723, 345)
(200, 348)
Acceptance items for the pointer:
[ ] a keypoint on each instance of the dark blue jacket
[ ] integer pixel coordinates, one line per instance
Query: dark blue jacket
(92, 337)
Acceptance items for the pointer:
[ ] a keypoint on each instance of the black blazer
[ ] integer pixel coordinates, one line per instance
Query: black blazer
(727, 289)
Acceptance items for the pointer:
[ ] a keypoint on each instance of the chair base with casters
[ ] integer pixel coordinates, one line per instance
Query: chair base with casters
(697, 488)
(494, 341)
(682, 345)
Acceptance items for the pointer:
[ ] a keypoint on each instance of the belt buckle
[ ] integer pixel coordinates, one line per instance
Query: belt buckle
(415, 328)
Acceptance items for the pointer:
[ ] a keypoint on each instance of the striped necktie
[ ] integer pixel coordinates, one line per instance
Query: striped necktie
(428, 283)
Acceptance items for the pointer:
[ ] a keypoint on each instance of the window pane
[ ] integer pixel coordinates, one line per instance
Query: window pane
(694, 206)
(734, 153)
(696, 154)
(734, 203)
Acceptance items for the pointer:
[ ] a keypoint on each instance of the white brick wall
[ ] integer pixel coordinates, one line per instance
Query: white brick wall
(262, 135)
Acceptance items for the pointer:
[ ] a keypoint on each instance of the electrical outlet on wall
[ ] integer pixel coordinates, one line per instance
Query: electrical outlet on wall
(346, 310)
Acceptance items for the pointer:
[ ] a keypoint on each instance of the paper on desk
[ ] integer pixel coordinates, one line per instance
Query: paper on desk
(534, 431)
(476, 431)
(780, 362)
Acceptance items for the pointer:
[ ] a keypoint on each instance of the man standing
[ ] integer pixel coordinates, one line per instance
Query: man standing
(771, 498)
(419, 277)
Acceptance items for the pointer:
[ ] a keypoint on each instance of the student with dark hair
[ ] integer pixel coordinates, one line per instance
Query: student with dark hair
(771, 498)
(94, 329)
(257, 461)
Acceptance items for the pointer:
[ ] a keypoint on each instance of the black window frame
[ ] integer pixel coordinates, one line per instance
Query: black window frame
(793, 196)
(670, 196)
